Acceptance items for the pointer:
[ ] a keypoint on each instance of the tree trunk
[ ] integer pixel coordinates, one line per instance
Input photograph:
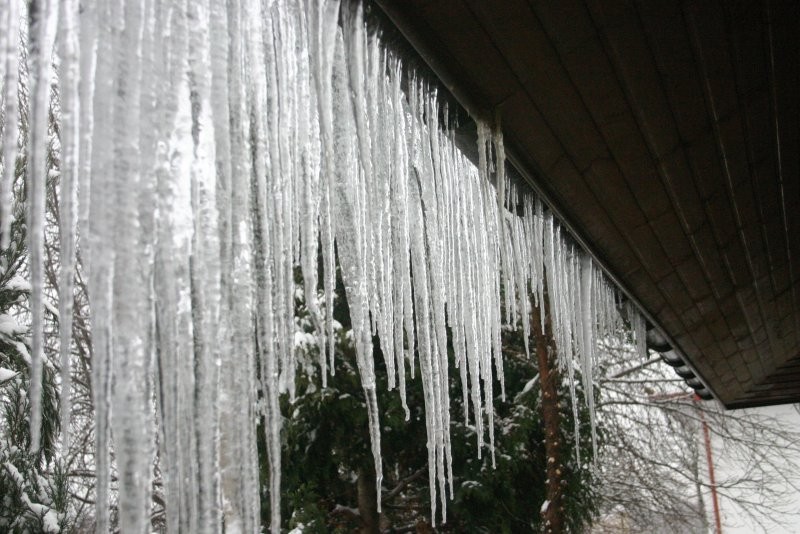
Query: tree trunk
(367, 501)
(553, 510)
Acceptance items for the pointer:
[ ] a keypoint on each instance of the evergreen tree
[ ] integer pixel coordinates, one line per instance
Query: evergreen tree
(328, 476)
(33, 486)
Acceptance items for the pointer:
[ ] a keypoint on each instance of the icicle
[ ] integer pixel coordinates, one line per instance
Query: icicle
(323, 16)
(425, 339)
(354, 35)
(88, 49)
(173, 147)
(379, 203)
(131, 397)
(220, 55)
(521, 271)
(573, 314)
(101, 266)
(588, 341)
(204, 267)
(43, 17)
(268, 357)
(638, 327)
(9, 57)
(459, 306)
(279, 174)
(349, 241)
(429, 283)
(239, 460)
(6, 37)
(398, 188)
(309, 202)
(500, 188)
(473, 308)
(68, 213)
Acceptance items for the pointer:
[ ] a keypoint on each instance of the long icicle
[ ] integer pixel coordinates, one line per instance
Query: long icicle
(97, 237)
(68, 209)
(43, 19)
(9, 56)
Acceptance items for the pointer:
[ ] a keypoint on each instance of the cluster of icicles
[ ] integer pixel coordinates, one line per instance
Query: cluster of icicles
(207, 149)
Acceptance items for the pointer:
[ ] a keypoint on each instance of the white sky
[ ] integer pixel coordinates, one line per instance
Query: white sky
(734, 521)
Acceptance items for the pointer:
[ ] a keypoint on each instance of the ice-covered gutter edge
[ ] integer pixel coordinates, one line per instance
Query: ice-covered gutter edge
(529, 176)
(655, 327)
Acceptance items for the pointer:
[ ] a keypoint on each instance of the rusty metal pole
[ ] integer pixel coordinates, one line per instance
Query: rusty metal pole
(711, 478)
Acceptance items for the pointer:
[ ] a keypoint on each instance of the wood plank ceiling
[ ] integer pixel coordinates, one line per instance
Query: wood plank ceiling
(667, 134)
